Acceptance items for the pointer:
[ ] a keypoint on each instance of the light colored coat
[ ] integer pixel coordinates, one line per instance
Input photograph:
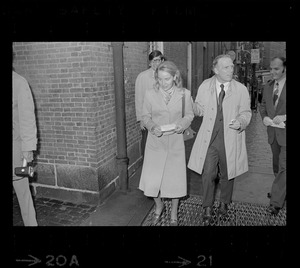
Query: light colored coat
(24, 124)
(24, 140)
(236, 105)
(144, 81)
(164, 167)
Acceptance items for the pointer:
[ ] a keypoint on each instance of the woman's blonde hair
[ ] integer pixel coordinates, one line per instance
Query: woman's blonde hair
(171, 68)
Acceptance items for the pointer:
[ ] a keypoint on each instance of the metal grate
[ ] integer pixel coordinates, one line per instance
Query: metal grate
(239, 214)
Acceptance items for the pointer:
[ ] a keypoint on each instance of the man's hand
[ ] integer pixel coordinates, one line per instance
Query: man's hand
(195, 109)
(28, 155)
(235, 124)
(267, 121)
(278, 119)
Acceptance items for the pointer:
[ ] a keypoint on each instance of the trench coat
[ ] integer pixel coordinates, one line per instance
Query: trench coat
(236, 105)
(24, 123)
(24, 140)
(164, 168)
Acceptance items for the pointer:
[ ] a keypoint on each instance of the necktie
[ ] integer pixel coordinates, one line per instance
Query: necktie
(221, 96)
(275, 93)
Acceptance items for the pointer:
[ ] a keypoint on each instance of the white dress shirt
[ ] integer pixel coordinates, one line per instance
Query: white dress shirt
(218, 86)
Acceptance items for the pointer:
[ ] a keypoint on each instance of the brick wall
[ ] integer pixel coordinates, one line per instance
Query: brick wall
(272, 49)
(73, 88)
(133, 65)
(177, 52)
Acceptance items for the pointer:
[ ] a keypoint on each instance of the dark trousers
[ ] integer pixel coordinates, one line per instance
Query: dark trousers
(143, 141)
(215, 158)
(278, 192)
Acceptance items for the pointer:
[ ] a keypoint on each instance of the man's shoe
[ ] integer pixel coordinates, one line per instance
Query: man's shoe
(223, 209)
(207, 215)
(273, 210)
(269, 195)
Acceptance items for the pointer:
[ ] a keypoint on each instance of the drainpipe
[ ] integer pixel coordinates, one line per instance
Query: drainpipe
(122, 159)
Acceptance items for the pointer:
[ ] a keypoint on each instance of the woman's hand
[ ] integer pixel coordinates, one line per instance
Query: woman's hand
(178, 129)
(155, 130)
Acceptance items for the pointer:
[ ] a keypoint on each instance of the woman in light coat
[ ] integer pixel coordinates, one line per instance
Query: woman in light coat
(164, 169)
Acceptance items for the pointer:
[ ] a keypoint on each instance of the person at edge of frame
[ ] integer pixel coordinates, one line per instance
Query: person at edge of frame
(273, 114)
(24, 143)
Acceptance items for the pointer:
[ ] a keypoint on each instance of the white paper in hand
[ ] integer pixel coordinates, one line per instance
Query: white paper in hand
(281, 125)
(166, 128)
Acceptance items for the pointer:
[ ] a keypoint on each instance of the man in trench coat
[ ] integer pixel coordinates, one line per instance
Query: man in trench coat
(220, 142)
(24, 143)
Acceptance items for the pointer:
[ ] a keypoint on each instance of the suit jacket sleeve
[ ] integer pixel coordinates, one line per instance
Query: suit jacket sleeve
(27, 121)
(262, 107)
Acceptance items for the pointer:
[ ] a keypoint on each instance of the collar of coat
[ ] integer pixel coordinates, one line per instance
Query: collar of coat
(177, 95)
(272, 82)
(231, 88)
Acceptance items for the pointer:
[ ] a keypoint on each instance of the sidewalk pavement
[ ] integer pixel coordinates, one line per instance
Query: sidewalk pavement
(122, 208)
(130, 209)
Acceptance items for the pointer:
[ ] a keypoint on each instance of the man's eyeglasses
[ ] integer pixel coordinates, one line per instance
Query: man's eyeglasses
(156, 60)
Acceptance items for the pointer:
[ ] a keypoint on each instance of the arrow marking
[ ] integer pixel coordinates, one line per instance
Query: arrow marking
(34, 260)
(183, 262)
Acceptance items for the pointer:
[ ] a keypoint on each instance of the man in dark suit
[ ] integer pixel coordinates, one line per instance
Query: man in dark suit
(273, 113)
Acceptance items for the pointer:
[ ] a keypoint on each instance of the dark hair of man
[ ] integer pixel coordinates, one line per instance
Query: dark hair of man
(154, 54)
(283, 59)
(216, 60)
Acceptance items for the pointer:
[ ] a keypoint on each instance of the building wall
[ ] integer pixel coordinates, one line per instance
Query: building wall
(135, 61)
(177, 52)
(203, 54)
(73, 88)
(272, 49)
